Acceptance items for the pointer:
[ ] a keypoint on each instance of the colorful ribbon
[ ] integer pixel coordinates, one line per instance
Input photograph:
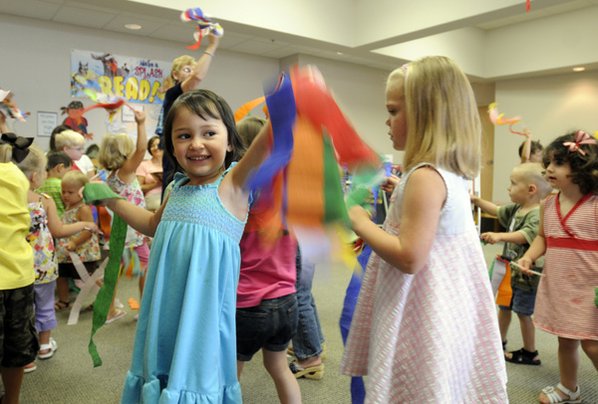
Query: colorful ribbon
(204, 24)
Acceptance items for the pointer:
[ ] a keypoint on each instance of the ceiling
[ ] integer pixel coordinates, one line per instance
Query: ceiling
(162, 22)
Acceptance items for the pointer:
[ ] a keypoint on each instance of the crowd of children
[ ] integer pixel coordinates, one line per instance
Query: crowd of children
(213, 295)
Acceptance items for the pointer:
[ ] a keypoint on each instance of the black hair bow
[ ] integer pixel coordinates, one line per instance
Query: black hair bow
(20, 145)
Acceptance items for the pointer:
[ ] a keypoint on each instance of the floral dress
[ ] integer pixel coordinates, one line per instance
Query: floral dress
(40, 238)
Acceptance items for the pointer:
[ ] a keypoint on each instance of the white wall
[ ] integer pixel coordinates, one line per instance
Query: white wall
(35, 64)
(550, 106)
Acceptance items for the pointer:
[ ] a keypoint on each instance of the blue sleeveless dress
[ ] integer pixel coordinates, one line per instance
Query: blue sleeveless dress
(185, 344)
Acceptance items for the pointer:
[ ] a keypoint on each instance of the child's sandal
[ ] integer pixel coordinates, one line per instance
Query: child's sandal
(312, 372)
(524, 357)
(60, 305)
(571, 397)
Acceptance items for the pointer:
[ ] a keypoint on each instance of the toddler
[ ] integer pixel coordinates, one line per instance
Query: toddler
(521, 218)
(84, 244)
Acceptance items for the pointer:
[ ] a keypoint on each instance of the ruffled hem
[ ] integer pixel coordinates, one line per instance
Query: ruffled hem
(136, 390)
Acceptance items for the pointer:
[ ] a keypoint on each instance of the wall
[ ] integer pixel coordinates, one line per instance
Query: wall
(550, 106)
(36, 62)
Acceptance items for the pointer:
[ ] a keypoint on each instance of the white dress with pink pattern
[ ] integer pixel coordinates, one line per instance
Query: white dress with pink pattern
(431, 337)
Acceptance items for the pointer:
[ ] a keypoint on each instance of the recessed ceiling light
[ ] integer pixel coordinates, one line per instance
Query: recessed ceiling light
(133, 26)
(579, 69)
(339, 53)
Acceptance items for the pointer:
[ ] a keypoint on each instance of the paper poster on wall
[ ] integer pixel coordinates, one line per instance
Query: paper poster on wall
(134, 79)
(46, 122)
(127, 113)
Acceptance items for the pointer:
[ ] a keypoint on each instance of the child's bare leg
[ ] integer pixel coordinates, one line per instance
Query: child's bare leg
(285, 381)
(12, 378)
(504, 320)
(44, 337)
(591, 349)
(240, 365)
(568, 364)
(528, 332)
(62, 289)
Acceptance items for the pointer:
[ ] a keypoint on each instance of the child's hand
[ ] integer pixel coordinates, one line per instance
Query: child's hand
(525, 264)
(490, 237)
(390, 183)
(213, 39)
(139, 117)
(91, 226)
(71, 246)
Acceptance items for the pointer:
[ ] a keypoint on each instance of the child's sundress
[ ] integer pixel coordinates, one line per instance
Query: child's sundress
(431, 337)
(88, 251)
(40, 238)
(565, 299)
(131, 192)
(185, 345)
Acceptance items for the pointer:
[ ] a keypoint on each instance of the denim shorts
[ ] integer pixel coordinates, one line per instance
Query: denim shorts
(522, 302)
(18, 339)
(271, 325)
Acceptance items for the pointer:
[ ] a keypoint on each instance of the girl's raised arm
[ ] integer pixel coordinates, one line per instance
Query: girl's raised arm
(425, 193)
(255, 155)
(129, 168)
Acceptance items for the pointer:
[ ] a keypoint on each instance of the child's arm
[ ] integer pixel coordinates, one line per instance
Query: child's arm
(537, 248)
(138, 218)
(202, 65)
(84, 215)
(486, 206)
(424, 196)
(234, 184)
(58, 228)
(515, 237)
(127, 172)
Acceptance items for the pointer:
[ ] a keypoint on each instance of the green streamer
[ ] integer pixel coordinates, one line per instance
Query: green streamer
(94, 193)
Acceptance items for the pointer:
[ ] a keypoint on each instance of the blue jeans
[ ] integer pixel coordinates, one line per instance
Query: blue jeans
(351, 296)
(307, 342)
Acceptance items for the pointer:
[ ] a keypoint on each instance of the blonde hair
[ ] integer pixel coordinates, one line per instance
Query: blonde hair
(249, 127)
(68, 138)
(177, 65)
(533, 173)
(35, 162)
(75, 177)
(443, 124)
(5, 153)
(115, 150)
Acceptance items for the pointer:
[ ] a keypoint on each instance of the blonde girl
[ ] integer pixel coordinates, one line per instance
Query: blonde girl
(409, 335)
(45, 224)
(121, 157)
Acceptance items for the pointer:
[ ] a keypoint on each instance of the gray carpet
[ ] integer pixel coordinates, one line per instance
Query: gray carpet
(69, 378)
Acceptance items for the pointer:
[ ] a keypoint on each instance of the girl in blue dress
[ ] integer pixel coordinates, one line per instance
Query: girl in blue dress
(185, 343)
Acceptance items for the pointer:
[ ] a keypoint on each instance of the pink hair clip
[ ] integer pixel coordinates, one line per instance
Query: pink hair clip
(581, 137)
